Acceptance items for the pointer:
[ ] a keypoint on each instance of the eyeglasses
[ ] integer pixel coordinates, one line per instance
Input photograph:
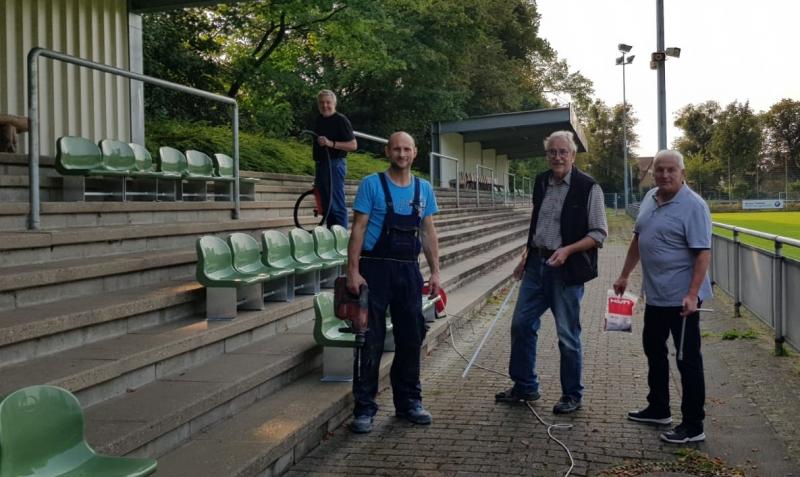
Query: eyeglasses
(558, 152)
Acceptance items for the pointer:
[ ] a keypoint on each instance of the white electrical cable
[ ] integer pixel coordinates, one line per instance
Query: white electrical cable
(527, 403)
(489, 331)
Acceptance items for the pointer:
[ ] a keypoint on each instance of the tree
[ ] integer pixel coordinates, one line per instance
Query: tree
(703, 174)
(782, 136)
(736, 141)
(604, 160)
(697, 123)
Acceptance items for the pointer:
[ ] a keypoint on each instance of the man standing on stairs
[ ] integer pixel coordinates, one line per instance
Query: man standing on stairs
(392, 220)
(334, 136)
(568, 224)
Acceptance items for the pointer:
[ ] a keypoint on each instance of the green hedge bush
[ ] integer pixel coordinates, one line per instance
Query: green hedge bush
(256, 152)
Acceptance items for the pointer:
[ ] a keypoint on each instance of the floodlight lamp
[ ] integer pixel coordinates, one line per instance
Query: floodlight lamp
(629, 60)
(619, 61)
(674, 52)
(624, 48)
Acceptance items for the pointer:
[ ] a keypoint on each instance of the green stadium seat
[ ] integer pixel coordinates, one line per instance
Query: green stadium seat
(302, 244)
(279, 282)
(342, 237)
(42, 434)
(145, 168)
(198, 166)
(171, 165)
(325, 246)
(77, 159)
(337, 353)
(225, 286)
(223, 167)
(77, 156)
(277, 253)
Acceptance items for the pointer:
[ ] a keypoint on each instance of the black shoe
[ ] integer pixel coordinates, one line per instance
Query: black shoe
(416, 415)
(512, 395)
(682, 434)
(566, 405)
(647, 415)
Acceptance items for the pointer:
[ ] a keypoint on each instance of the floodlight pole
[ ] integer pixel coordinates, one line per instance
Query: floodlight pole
(624, 135)
(662, 90)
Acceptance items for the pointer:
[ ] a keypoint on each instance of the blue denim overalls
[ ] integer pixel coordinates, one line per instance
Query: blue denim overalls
(391, 270)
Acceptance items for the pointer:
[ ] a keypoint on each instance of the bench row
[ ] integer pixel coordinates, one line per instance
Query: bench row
(239, 273)
(128, 171)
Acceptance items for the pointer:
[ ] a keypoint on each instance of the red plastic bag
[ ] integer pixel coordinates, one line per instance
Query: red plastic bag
(619, 312)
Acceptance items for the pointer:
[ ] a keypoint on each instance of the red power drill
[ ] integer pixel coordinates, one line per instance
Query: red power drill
(355, 310)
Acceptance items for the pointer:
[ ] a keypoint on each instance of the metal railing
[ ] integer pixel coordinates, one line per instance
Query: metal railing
(508, 183)
(34, 221)
(370, 137)
(478, 168)
(458, 179)
(768, 277)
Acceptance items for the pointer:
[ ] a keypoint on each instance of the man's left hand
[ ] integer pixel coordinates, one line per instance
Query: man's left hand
(689, 305)
(558, 258)
(434, 285)
(324, 141)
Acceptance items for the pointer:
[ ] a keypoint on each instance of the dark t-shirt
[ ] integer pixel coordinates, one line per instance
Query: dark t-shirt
(336, 128)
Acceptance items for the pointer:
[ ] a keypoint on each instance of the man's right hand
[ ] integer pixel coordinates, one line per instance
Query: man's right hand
(620, 285)
(519, 270)
(354, 282)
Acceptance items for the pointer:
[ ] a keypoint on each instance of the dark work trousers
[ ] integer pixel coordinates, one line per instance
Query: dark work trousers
(396, 285)
(659, 321)
(338, 171)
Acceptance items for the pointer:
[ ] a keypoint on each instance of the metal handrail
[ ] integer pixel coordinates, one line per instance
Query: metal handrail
(34, 222)
(442, 156)
(478, 168)
(756, 233)
(505, 199)
(370, 137)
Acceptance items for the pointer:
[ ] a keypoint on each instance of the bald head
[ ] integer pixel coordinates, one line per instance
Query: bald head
(400, 136)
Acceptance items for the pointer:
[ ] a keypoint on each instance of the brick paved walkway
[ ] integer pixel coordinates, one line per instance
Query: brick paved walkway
(753, 420)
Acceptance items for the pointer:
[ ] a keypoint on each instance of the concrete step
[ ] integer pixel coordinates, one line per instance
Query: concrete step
(160, 415)
(41, 330)
(34, 284)
(271, 435)
(102, 370)
(218, 388)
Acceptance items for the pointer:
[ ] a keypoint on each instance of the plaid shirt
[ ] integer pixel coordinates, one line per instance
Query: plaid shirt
(548, 226)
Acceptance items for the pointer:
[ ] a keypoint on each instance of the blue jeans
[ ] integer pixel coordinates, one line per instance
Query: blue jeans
(542, 288)
(338, 171)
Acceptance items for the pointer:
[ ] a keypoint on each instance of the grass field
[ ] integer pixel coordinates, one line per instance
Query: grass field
(786, 224)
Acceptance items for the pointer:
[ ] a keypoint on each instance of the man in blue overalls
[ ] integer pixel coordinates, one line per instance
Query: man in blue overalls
(392, 221)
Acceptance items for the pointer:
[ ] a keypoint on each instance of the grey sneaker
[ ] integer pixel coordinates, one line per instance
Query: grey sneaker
(566, 405)
(361, 425)
(416, 415)
(512, 395)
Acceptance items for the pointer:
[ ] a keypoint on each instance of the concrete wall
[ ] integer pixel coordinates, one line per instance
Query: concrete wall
(472, 156)
(450, 145)
(73, 101)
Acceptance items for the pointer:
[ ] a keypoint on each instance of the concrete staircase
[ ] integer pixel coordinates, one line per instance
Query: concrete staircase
(102, 301)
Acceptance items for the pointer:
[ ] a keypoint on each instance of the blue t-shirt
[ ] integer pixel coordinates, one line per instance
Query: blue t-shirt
(669, 237)
(370, 200)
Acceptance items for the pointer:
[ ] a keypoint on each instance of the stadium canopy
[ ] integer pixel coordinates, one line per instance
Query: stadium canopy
(517, 135)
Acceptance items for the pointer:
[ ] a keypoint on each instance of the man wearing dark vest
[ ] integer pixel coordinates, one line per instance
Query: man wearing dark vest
(392, 222)
(334, 140)
(568, 224)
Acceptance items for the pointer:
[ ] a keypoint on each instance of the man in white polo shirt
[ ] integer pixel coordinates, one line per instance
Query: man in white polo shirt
(672, 237)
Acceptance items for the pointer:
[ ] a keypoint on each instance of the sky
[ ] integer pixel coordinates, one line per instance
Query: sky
(730, 50)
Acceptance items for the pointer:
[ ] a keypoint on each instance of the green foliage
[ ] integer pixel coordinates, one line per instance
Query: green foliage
(734, 334)
(736, 140)
(703, 174)
(782, 135)
(392, 63)
(697, 123)
(604, 131)
(256, 152)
